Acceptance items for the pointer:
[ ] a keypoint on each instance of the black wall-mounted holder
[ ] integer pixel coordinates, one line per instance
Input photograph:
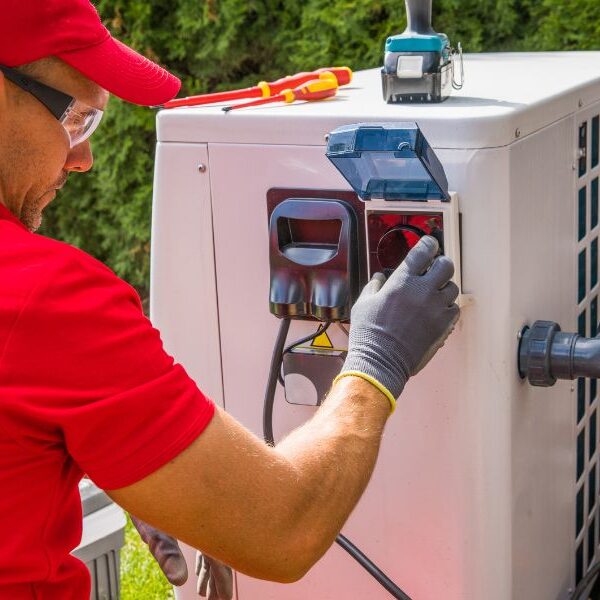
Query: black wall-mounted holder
(314, 259)
(547, 354)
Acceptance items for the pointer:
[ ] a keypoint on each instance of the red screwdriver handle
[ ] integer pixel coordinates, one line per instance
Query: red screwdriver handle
(264, 89)
(343, 76)
(316, 89)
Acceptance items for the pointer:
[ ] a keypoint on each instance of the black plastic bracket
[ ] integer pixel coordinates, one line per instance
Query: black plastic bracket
(313, 246)
(535, 353)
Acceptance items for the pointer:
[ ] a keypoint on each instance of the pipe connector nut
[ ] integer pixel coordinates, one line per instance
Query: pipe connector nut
(535, 353)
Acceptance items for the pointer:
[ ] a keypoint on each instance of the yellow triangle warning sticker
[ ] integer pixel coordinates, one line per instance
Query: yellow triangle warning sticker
(322, 341)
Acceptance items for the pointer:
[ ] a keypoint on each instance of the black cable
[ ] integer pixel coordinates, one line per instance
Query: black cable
(371, 567)
(276, 360)
(274, 371)
(309, 338)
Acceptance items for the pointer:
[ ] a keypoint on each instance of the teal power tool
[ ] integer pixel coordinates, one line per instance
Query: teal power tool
(419, 64)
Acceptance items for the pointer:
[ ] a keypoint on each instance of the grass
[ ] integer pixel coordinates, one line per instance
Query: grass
(141, 576)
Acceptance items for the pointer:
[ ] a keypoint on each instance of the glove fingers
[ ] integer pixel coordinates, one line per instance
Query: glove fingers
(449, 293)
(454, 314)
(175, 569)
(203, 578)
(166, 551)
(212, 593)
(223, 581)
(441, 271)
(419, 258)
(375, 284)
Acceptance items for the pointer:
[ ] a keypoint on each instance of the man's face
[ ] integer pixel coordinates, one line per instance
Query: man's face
(35, 157)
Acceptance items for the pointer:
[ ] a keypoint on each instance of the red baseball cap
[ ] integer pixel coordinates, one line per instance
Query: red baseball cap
(72, 31)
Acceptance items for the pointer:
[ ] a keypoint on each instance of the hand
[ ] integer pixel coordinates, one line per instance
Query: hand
(399, 324)
(165, 550)
(215, 580)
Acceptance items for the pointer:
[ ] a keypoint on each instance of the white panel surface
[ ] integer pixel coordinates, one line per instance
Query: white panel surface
(420, 518)
(542, 286)
(183, 299)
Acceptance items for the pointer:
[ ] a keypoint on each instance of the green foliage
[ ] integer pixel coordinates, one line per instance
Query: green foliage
(141, 576)
(220, 44)
(573, 25)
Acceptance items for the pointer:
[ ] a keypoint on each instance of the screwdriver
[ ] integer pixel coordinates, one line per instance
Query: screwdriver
(264, 89)
(317, 89)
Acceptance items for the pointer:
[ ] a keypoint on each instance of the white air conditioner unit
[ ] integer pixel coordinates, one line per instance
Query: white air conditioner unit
(486, 488)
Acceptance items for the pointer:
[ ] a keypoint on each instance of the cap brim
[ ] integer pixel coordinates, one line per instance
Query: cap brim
(124, 73)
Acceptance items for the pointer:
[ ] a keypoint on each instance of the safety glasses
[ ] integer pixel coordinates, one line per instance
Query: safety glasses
(78, 119)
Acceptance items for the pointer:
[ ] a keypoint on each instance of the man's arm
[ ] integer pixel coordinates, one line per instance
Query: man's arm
(268, 512)
(272, 512)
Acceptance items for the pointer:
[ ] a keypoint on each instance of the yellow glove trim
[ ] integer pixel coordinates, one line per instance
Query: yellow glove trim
(373, 382)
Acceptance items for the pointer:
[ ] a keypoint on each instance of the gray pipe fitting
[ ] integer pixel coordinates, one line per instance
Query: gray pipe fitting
(547, 354)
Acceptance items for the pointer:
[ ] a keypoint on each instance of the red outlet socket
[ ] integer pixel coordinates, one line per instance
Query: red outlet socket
(392, 235)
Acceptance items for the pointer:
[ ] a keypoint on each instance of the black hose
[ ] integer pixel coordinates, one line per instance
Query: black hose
(276, 359)
(274, 372)
(371, 567)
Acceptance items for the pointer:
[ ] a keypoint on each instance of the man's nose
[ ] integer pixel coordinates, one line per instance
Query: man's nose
(80, 158)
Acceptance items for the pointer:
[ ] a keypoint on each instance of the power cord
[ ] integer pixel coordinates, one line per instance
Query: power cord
(274, 377)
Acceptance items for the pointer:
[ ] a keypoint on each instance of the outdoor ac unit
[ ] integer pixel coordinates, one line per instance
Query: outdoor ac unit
(486, 488)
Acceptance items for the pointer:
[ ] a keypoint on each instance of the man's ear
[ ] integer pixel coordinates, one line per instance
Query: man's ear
(2, 90)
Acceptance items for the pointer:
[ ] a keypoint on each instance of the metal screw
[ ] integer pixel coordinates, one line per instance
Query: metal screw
(517, 132)
(202, 168)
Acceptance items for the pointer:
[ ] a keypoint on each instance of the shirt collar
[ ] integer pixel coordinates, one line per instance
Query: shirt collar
(6, 215)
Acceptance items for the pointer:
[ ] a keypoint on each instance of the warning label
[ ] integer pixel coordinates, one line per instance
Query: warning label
(322, 341)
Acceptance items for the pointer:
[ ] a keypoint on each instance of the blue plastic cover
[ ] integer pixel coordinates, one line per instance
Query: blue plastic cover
(389, 161)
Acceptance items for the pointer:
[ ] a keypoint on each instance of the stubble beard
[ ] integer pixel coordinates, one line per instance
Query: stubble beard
(31, 214)
(31, 210)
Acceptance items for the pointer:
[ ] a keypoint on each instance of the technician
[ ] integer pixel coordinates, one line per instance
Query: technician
(87, 387)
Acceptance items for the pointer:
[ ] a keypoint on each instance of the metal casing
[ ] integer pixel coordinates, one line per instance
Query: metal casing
(477, 487)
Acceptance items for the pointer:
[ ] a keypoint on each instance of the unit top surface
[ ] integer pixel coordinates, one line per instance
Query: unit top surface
(505, 97)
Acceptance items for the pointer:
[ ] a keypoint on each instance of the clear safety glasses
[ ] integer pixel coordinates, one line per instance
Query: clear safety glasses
(78, 119)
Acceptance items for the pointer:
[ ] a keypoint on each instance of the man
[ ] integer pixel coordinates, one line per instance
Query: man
(87, 387)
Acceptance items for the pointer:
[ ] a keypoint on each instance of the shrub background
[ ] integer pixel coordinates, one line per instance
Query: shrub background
(220, 44)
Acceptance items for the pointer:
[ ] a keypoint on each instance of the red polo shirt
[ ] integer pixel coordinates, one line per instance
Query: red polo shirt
(85, 387)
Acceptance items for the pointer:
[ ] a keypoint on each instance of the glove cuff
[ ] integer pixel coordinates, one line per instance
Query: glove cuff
(385, 363)
(373, 382)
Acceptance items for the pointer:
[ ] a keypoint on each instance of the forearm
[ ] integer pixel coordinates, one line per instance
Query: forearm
(272, 512)
(334, 455)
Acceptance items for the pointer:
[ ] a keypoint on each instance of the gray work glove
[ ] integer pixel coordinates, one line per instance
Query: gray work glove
(399, 324)
(215, 580)
(165, 550)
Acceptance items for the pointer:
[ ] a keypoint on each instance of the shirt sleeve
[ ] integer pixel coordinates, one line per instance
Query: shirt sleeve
(87, 370)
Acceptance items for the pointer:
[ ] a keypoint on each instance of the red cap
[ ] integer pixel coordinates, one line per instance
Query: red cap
(72, 31)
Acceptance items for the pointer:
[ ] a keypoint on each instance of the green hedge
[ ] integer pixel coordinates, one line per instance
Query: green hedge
(220, 44)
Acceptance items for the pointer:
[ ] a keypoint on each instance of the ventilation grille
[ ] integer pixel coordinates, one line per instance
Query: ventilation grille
(587, 505)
